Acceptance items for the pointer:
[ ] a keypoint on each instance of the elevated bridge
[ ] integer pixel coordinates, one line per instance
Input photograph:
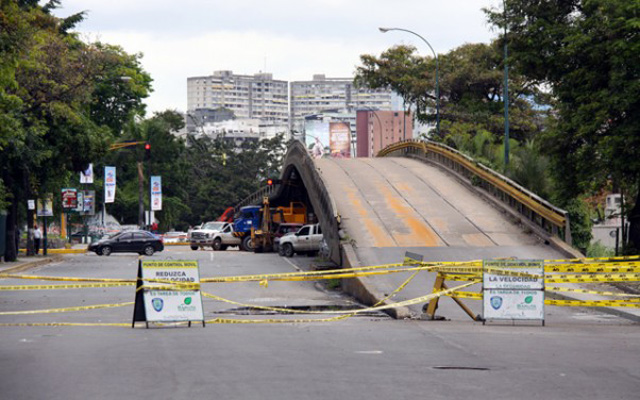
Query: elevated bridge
(421, 197)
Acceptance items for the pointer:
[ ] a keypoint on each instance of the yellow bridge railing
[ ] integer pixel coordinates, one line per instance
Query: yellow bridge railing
(540, 212)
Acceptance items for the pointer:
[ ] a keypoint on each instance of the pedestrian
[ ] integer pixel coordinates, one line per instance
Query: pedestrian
(37, 236)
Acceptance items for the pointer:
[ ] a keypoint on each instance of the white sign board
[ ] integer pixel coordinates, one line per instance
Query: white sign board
(164, 305)
(513, 289)
(513, 304)
(514, 276)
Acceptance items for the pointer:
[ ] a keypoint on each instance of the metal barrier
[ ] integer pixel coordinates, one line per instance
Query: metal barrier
(540, 212)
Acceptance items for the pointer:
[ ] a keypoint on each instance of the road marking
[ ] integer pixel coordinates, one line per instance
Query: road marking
(369, 352)
(292, 264)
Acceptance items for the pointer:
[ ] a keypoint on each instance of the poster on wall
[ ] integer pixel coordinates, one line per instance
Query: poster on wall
(156, 193)
(109, 184)
(340, 140)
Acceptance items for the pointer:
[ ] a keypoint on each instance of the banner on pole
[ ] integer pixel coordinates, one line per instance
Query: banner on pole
(86, 176)
(45, 206)
(109, 184)
(156, 193)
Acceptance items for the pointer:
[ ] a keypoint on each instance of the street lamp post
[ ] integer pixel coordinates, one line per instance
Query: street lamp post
(506, 90)
(384, 30)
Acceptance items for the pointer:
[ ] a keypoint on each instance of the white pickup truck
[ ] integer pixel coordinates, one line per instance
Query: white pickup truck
(205, 235)
(306, 240)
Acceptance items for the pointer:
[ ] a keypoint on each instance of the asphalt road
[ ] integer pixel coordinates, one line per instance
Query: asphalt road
(581, 355)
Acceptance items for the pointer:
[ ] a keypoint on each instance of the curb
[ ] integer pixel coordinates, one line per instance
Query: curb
(32, 264)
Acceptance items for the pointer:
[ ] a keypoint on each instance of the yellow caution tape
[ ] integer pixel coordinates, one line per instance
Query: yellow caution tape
(66, 279)
(585, 291)
(68, 309)
(467, 295)
(583, 260)
(58, 287)
(55, 324)
(592, 303)
(578, 278)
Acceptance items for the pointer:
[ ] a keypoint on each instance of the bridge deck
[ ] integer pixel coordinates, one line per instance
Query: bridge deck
(399, 202)
(392, 205)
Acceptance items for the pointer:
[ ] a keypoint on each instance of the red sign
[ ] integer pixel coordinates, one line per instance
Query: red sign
(69, 198)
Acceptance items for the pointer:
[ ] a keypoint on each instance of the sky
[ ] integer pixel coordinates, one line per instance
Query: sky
(292, 39)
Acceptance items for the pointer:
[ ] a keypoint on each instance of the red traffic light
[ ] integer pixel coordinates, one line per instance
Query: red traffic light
(269, 182)
(147, 146)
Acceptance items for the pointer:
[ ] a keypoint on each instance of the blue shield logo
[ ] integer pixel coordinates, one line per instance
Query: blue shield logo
(496, 302)
(157, 303)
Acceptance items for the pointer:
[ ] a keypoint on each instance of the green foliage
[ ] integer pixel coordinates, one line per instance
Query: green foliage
(597, 249)
(591, 63)
(580, 223)
(470, 83)
(49, 79)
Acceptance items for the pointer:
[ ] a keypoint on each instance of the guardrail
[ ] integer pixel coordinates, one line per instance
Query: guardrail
(540, 212)
(323, 204)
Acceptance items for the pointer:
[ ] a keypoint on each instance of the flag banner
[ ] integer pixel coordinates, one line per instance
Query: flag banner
(156, 193)
(86, 176)
(109, 184)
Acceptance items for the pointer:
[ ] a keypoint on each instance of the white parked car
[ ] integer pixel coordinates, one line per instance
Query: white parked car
(307, 240)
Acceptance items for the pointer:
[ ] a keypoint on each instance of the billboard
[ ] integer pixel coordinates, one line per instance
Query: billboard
(340, 140)
(317, 137)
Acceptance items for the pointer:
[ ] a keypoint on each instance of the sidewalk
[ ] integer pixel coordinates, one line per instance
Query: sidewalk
(24, 263)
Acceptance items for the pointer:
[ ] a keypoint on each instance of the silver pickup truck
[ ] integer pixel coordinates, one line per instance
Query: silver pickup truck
(306, 240)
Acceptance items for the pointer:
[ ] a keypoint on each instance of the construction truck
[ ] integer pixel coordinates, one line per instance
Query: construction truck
(264, 220)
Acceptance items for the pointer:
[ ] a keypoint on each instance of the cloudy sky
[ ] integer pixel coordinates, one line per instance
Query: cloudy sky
(293, 39)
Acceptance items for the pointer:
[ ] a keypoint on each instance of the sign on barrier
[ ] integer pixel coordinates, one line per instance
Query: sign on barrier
(168, 291)
(513, 290)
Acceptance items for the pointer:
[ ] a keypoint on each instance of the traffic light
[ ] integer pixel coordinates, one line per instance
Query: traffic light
(271, 182)
(147, 151)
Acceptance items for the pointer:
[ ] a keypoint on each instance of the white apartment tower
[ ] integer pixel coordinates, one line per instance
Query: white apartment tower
(323, 94)
(248, 96)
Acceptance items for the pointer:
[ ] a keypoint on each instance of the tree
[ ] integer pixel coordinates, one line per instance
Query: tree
(471, 88)
(49, 80)
(588, 53)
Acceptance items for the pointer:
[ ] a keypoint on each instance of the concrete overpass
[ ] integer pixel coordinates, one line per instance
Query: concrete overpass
(425, 198)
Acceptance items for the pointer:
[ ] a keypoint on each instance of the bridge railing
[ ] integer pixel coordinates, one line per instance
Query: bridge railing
(255, 197)
(540, 212)
(323, 204)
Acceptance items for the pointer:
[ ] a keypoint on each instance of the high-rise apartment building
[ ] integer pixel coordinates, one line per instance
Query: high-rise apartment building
(248, 96)
(323, 94)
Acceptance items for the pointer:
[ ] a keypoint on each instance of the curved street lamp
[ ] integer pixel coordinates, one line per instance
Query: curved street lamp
(385, 30)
